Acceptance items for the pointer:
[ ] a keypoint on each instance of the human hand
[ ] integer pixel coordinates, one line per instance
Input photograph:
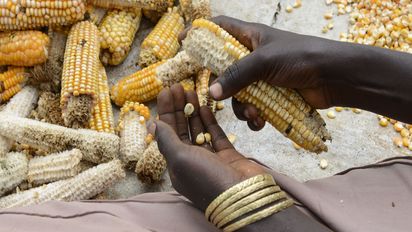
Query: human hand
(198, 172)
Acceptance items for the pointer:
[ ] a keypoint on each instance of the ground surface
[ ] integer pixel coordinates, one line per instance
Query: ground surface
(357, 138)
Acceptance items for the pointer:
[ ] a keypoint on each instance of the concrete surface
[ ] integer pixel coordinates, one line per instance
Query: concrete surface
(357, 139)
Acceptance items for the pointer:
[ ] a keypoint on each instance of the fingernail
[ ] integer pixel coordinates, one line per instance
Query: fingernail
(255, 123)
(246, 114)
(216, 90)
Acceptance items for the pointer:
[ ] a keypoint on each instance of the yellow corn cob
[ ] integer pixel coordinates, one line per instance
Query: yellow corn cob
(102, 118)
(159, 5)
(132, 127)
(195, 9)
(81, 187)
(48, 109)
(117, 32)
(80, 75)
(147, 83)
(152, 165)
(13, 171)
(23, 48)
(162, 43)
(54, 167)
(285, 109)
(97, 147)
(12, 77)
(23, 15)
(188, 84)
(9, 93)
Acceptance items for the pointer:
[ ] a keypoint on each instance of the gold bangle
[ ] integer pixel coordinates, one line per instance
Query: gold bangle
(233, 190)
(259, 216)
(248, 208)
(244, 202)
(245, 192)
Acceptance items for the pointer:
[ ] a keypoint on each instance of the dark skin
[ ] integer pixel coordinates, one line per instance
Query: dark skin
(316, 68)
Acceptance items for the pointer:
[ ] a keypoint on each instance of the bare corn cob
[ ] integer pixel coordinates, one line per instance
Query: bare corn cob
(23, 15)
(195, 9)
(11, 82)
(117, 33)
(20, 105)
(285, 109)
(23, 48)
(97, 147)
(162, 43)
(54, 167)
(132, 127)
(48, 109)
(80, 75)
(159, 5)
(188, 84)
(147, 83)
(102, 118)
(81, 187)
(152, 165)
(13, 171)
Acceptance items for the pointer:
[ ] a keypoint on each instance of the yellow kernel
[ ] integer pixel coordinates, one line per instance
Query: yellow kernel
(189, 109)
(398, 141)
(330, 26)
(220, 105)
(231, 138)
(328, 16)
(383, 122)
(149, 138)
(289, 9)
(404, 132)
(296, 146)
(356, 111)
(297, 4)
(331, 114)
(339, 109)
(398, 127)
(406, 142)
(208, 137)
(325, 29)
(200, 139)
(323, 164)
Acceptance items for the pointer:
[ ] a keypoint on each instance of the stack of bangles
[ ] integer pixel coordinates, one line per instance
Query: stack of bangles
(247, 202)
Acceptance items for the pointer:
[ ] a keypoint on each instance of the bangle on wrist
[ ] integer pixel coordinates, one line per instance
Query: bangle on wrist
(229, 210)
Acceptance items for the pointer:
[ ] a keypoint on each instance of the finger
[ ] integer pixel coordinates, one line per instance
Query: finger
(220, 141)
(195, 122)
(165, 108)
(179, 105)
(183, 34)
(244, 111)
(239, 75)
(257, 124)
(169, 143)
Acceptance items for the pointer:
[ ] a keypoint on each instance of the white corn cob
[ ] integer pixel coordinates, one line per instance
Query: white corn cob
(20, 105)
(54, 167)
(13, 171)
(195, 9)
(97, 147)
(81, 187)
(152, 165)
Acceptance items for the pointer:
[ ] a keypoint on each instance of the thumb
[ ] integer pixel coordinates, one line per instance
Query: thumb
(169, 143)
(238, 76)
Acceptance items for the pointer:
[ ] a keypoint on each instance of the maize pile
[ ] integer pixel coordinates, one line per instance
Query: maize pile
(158, 5)
(13, 171)
(20, 105)
(23, 15)
(11, 82)
(147, 83)
(117, 32)
(162, 43)
(284, 108)
(80, 75)
(195, 9)
(152, 165)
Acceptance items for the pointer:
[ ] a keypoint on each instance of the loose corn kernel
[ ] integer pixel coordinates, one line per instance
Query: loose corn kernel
(398, 141)
(328, 16)
(208, 137)
(289, 9)
(405, 132)
(297, 4)
(339, 109)
(232, 138)
(331, 115)
(162, 43)
(323, 164)
(189, 109)
(383, 122)
(406, 142)
(356, 111)
(200, 139)
(398, 127)
(220, 105)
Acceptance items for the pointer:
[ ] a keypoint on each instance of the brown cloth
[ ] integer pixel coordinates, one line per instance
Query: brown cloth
(373, 198)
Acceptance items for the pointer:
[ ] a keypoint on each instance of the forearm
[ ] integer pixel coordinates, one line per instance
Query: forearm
(374, 79)
(288, 220)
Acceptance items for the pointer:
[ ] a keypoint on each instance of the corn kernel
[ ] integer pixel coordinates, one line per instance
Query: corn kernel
(289, 9)
(398, 127)
(383, 122)
(331, 115)
(189, 109)
(200, 139)
(323, 164)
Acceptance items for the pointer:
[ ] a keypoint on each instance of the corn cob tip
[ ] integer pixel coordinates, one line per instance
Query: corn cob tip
(147, 58)
(151, 166)
(78, 112)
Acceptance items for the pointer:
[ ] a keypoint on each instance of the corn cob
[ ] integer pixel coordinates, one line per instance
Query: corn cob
(162, 43)
(117, 32)
(23, 15)
(48, 109)
(152, 165)
(97, 147)
(54, 167)
(159, 5)
(132, 126)
(13, 170)
(23, 48)
(147, 83)
(285, 109)
(12, 77)
(20, 105)
(202, 89)
(102, 118)
(188, 84)
(152, 15)
(81, 187)
(80, 75)
(195, 9)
